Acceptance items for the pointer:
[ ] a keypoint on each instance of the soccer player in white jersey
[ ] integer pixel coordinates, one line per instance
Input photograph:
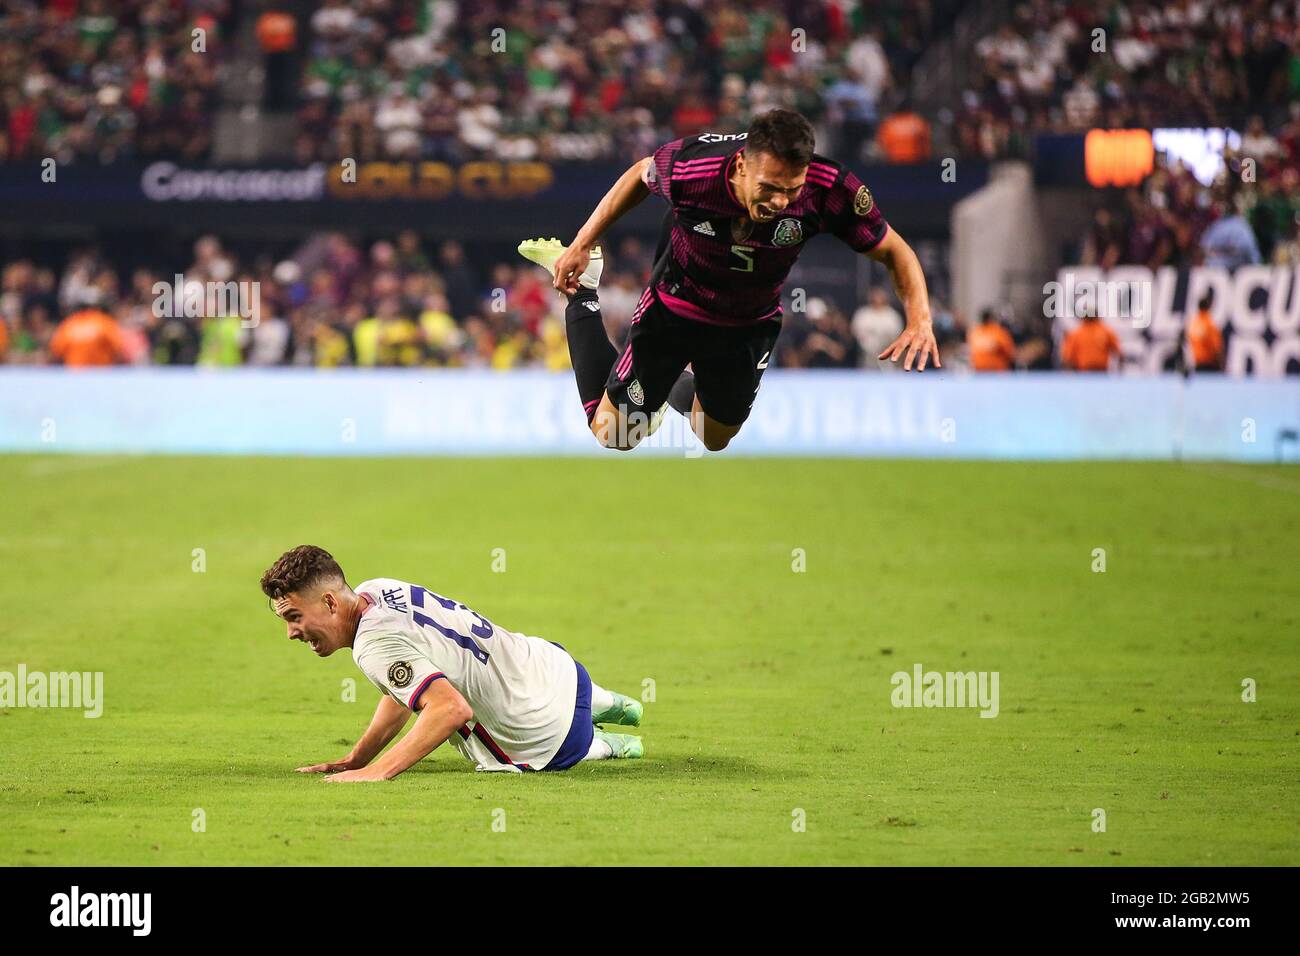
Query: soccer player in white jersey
(506, 701)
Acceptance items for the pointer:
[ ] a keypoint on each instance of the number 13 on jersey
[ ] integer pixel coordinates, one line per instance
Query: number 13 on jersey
(482, 630)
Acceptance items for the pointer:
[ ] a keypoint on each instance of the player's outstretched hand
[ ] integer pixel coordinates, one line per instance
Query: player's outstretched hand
(570, 267)
(334, 767)
(917, 341)
(360, 775)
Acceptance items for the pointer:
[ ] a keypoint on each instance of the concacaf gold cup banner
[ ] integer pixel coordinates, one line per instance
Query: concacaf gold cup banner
(485, 179)
(1257, 308)
(349, 181)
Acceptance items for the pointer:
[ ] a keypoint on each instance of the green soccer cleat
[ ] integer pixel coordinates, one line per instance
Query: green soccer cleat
(546, 252)
(625, 746)
(625, 711)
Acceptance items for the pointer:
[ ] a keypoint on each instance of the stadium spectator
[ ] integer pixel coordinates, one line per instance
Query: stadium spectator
(853, 106)
(875, 325)
(88, 337)
(268, 341)
(1104, 244)
(820, 338)
(277, 35)
(1229, 242)
(904, 137)
(175, 341)
(221, 341)
(991, 348)
(1090, 346)
(1204, 339)
(1287, 250)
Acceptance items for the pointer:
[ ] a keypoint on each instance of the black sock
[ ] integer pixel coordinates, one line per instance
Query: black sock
(682, 395)
(590, 349)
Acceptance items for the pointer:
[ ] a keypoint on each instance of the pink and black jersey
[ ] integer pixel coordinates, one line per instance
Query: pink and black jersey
(719, 266)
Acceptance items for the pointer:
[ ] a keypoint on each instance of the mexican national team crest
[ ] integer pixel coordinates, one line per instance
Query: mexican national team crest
(788, 232)
(635, 393)
(862, 201)
(400, 674)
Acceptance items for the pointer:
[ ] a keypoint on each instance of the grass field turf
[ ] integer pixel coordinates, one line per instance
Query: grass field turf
(1119, 690)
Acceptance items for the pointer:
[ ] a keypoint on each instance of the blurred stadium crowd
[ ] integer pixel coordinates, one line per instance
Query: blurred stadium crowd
(1174, 220)
(393, 303)
(1169, 63)
(398, 303)
(108, 80)
(402, 79)
(590, 79)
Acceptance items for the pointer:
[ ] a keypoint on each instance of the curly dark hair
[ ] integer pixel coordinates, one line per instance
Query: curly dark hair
(300, 569)
(784, 134)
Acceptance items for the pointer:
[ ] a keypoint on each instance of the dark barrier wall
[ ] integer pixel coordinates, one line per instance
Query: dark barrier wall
(486, 200)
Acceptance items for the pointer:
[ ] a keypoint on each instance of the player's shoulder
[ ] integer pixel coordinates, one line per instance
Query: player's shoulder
(825, 172)
(837, 187)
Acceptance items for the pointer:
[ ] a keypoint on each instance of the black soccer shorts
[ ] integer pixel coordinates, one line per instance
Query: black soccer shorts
(728, 362)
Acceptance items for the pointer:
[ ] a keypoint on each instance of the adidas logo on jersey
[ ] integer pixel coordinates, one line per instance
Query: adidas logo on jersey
(591, 306)
(705, 229)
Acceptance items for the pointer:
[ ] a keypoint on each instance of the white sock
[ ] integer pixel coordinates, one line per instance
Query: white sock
(599, 750)
(601, 699)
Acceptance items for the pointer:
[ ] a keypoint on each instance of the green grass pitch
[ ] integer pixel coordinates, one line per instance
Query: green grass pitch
(1119, 690)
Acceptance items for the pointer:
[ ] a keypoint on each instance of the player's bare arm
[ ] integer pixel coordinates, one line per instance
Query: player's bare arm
(626, 194)
(917, 341)
(390, 717)
(442, 710)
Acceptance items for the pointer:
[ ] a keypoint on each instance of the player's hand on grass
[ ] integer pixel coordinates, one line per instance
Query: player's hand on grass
(334, 767)
(360, 775)
(916, 342)
(570, 267)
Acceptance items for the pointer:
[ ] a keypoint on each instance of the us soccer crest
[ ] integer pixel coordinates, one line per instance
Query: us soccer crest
(400, 674)
(862, 201)
(788, 232)
(635, 393)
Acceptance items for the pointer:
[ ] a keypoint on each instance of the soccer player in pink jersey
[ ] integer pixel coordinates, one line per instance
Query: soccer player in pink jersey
(742, 205)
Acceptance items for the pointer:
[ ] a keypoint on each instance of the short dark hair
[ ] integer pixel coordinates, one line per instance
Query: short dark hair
(300, 569)
(783, 134)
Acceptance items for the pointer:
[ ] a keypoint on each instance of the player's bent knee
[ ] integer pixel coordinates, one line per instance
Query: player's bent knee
(614, 438)
(619, 431)
(716, 442)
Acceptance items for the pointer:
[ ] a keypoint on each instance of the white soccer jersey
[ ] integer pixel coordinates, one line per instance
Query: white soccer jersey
(522, 689)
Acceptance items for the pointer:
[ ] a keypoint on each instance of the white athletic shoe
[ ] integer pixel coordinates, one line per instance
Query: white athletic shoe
(546, 252)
